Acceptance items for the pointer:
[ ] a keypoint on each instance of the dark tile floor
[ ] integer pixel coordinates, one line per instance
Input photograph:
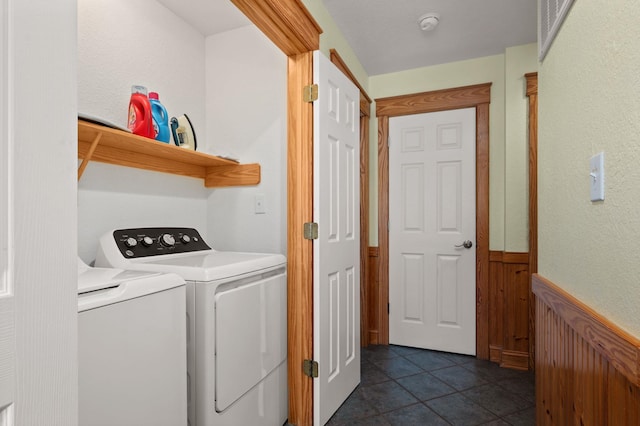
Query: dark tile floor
(407, 386)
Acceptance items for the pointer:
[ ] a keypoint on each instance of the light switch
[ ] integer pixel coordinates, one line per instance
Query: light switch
(596, 177)
(260, 204)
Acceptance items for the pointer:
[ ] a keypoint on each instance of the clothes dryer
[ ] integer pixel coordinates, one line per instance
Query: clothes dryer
(132, 352)
(237, 321)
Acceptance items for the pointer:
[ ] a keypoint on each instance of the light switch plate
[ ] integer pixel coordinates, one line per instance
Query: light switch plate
(596, 177)
(260, 207)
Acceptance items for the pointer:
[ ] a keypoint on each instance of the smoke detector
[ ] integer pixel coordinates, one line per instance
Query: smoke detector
(428, 21)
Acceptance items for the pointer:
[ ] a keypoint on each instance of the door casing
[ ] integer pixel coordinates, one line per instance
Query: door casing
(478, 96)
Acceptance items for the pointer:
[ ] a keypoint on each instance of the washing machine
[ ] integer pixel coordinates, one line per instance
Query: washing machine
(132, 355)
(237, 321)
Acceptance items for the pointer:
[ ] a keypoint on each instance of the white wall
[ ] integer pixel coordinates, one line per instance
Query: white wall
(43, 150)
(121, 43)
(246, 116)
(589, 101)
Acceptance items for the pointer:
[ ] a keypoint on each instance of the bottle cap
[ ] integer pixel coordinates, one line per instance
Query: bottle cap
(139, 89)
(153, 95)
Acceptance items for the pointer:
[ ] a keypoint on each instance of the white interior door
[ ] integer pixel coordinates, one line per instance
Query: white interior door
(432, 232)
(336, 252)
(7, 326)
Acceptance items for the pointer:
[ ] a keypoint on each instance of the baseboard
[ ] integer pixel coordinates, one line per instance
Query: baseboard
(515, 360)
(373, 337)
(495, 354)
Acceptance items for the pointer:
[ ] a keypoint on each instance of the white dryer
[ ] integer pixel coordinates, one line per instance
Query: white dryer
(237, 321)
(132, 355)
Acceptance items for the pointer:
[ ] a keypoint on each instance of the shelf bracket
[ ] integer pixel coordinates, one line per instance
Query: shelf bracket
(87, 158)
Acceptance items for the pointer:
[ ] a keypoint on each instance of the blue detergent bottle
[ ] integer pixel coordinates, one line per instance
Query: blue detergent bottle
(160, 119)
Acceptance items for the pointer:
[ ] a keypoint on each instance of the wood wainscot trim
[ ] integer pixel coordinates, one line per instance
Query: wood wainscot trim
(617, 346)
(509, 332)
(373, 283)
(587, 368)
(477, 96)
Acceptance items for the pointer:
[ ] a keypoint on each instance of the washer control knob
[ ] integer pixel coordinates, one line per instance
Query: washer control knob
(185, 239)
(167, 240)
(131, 242)
(147, 241)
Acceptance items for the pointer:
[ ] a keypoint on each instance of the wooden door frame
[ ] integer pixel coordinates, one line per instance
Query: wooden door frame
(532, 94)
(478, 97)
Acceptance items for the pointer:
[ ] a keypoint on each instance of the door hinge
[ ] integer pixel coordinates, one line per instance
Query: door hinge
(310, 93)
(388, 308)
(310, 368)
(310, 231)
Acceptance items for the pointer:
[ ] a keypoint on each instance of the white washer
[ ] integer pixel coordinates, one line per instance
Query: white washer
(132, 351)
(237, 317)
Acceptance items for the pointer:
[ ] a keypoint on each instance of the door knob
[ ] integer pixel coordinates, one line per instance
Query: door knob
(467, 244)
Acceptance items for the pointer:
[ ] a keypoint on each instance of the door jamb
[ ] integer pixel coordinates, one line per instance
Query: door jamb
(532, 94)
(479, 97)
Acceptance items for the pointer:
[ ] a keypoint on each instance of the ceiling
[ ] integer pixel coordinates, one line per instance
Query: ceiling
(208, 16)
(385, 34)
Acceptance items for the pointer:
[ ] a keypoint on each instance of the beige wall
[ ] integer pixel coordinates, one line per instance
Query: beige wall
(456, 74)
(508, 104)
(508, 126)
(589, 101)
(519, 60)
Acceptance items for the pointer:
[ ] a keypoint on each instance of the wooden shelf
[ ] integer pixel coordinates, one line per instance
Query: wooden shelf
(107, 145)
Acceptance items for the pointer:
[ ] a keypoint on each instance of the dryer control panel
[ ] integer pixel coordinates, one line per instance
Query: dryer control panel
(143, 242)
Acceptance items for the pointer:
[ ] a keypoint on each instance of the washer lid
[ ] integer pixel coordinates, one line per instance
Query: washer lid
(98, 287)
(93, 279)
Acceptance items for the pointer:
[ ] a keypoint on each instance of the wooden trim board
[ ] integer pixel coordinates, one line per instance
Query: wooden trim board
(617, 346)
(287, 23)
(299, 250)
(532, 94)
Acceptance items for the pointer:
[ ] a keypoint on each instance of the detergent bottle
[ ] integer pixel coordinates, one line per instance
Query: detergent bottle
(140, 112)
(160, 119)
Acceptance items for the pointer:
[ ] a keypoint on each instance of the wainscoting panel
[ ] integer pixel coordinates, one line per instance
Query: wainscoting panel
(587, 369)
(373, 294)
(509, 301)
